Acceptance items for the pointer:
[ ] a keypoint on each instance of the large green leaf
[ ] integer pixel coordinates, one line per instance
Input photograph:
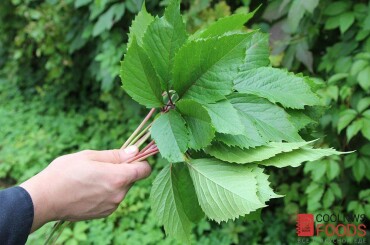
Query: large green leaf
(163, 39)
(187, 192)
(171, 136)
(252, 139)
(197, 120)
(139, 78)
(229, 23)
(260, 115)
(174, 201)
(277, 86)
(204, 69)
(225, 118)
(224, 191)
(299, 119)
(257, 53)
(139, 26)
(298, 156)
(239, 155)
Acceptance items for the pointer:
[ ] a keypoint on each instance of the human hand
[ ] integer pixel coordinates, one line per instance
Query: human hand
(84, 185)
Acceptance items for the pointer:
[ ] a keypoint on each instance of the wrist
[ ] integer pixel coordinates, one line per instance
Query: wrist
(44, 211)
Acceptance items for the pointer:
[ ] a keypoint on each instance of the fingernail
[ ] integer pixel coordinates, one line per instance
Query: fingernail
(131, 150)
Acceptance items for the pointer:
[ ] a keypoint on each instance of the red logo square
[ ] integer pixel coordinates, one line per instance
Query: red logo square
(305, 225)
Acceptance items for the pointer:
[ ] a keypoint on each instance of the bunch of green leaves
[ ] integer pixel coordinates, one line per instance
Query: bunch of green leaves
(73, 64)
(224, 114)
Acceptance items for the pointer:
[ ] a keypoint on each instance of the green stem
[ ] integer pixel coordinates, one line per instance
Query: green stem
(169, 97)
(63, 226)
(56, 232)
(142, 139)
(137, 130)
(140, 135)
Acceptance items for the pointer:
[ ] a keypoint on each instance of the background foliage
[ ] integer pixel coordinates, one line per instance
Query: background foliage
(59, 93)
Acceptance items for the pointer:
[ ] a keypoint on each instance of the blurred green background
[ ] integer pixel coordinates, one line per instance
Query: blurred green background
(60, 93)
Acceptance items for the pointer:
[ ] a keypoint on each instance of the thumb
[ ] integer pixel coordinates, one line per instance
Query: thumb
(114, 156)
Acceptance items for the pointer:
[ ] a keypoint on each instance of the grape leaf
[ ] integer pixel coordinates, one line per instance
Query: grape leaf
(139, 26)
(197, 120)
(139, 79)
(174, 201)
(239, 155)
(224, 191)
(298, 156)
(204, 69)
(163, 39)
(277, 86)
(252, 139)
(225, 118)
(221, 26)
(171, 136)
(269, 120)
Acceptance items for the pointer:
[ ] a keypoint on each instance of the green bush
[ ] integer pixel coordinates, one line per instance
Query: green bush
(59, 93)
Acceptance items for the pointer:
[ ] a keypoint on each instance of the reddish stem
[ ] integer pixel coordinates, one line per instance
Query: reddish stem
(138, 158)
(153, 147)
(147, 146)
(143, 155)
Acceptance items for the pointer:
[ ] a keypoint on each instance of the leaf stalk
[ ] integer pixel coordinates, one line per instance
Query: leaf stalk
(137, 130)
